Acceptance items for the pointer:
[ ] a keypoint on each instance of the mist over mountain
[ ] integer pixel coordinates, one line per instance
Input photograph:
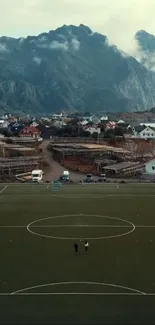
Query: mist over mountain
(74, 69)
(146, 49)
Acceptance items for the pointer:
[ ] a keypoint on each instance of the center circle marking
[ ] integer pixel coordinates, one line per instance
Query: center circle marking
(21, 291)
(129, 223)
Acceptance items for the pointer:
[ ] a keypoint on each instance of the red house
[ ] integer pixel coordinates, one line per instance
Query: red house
(30, 131)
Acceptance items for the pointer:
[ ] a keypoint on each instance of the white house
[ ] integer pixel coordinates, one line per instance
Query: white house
(150, 167)
(147, 133)
(94, 119)
(59, 124)
(93, 129)
(104, 118)
(120, 122)
(5, 124)
(84, 122)
(57, 116)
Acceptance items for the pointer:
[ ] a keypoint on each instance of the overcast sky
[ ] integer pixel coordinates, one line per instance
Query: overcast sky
(118, 19)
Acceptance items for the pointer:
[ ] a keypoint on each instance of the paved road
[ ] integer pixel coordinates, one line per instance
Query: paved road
(55, 169)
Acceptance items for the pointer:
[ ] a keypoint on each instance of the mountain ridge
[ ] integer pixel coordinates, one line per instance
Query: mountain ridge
(71, 68)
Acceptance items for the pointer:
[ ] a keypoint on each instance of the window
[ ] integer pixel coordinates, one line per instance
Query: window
(152, 134)
(148, 134)
(144, 134)
(153, 167)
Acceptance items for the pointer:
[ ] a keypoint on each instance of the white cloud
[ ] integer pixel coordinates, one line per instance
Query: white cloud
(21, 40)
(37, 60)
(75, 44)
(91, 34)
(55, 45)
(3, 48)
(61, 36)
(42, 39)
(147, 59)
(32, 41)
(108, 42)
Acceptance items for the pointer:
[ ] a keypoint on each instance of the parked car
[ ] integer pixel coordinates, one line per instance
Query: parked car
(88, 178)
(102, 178)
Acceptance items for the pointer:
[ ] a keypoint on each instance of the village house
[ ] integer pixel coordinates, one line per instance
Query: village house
(104, 118)
(59, 124)
(92, 129)
(110, 125)
(94, 119)
(34, 124)
(144, 132)
(84, 122)
(30, 131)
(4, 125)
(16, 127)
(149, 172)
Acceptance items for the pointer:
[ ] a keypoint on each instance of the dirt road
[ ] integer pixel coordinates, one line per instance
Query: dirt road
(54, 170)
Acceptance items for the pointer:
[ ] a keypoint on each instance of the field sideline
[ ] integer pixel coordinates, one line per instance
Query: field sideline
(41, 279)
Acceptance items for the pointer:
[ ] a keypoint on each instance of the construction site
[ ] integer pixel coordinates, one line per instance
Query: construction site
(19, 156)
(127, 160)
(17, 160)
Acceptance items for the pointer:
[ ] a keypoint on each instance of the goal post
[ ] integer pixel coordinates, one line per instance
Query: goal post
(56, 186)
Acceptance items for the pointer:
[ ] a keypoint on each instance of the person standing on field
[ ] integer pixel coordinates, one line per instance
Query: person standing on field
(86, 245)
(76, 247)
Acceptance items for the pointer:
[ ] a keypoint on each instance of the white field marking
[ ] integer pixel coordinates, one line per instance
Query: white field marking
(3, 189)
(12, 226)
(76, 226)
(71, 226)
(79, 196)
(81, 226)
(74, 238)
(79, 282)
(79, 184)
(85, 226)
(98, 196)
(78, 293)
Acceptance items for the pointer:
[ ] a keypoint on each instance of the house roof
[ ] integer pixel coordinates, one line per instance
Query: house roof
(34, 124)
(31, 128)
(139, 128)
(150, 161)
(104, 118)
(148, 127)
(17, 125)
(88, 127)
(120, 122)
(122, 165)
(5, 124)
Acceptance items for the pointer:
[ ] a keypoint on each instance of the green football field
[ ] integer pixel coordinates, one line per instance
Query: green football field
(41, 278)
